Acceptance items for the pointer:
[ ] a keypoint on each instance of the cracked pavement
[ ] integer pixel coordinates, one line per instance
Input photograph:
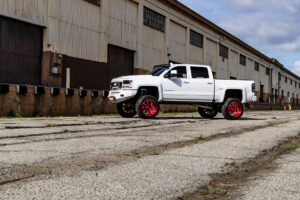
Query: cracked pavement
(115, 158)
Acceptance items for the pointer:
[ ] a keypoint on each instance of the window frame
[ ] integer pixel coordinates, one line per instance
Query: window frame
(196, 38)
(152, 19)
(174, 68)
(94, 2)
(195, 67)
(256, 66)
(245, 60)
(223, 51)
(268, 71)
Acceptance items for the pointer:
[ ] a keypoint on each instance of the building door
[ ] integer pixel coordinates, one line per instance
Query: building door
(120, 62)
(20, 52)
(261, 95)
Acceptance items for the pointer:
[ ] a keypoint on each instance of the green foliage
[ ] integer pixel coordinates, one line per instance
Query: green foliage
(202, 138)
(14, 114)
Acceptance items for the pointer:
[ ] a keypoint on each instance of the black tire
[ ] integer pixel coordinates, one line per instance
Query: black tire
(207, 113)
(126, 109)
(232, 109)
(144, 112)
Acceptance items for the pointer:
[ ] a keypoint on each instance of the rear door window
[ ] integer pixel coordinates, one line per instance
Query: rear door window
(199, 72)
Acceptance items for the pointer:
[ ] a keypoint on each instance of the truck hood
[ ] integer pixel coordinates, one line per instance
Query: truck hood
(135, 77)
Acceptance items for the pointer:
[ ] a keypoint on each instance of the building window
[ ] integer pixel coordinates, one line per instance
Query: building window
(256, 66)
(223, 51)
(286, 79)
(279, 76)
(154, 19)
(97, 2)
(267, 71)
(299, 85)
(196, 39)
(242, 59)
(291, 82)
(199, 72)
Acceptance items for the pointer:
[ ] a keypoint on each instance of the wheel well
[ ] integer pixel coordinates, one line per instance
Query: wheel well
(233, 94)
(148, 90)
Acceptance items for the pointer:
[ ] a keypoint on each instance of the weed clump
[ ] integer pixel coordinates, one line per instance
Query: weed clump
(14, 114)
(202, 138)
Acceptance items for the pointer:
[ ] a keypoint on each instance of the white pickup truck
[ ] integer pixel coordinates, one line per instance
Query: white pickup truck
(180, 84)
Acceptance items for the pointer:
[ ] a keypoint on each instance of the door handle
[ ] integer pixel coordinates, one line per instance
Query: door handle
(209, 83)
(185, 82)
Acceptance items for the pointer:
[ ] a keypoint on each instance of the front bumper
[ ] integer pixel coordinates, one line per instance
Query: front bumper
(117, 96)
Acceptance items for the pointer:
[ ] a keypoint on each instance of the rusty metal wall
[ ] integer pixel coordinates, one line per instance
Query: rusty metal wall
(20, 52)
(95, 75)
(85, 73)
(120, 61)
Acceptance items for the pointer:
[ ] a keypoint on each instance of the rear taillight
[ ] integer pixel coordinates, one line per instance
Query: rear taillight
(253, 87)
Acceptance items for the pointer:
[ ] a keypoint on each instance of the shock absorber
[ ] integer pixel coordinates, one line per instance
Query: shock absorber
(143, 92)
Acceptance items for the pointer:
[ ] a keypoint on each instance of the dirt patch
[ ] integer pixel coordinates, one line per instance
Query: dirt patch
(223, 185)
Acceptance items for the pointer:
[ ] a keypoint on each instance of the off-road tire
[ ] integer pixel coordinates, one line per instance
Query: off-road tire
(232, 109)
(147, 107)
(126, 109)
(207, 113)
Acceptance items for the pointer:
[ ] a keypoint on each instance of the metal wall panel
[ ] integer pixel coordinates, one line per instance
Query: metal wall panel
(20, 52)
(120, 61)
(95, 75)
(85, 73)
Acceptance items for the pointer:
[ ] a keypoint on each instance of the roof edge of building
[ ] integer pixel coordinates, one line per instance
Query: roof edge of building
(218, 29)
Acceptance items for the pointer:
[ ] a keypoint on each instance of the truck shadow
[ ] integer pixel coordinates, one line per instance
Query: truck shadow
(217, 118)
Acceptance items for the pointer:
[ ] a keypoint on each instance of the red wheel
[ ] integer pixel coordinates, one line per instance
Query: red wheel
(147, 107)
(232, 109)
(235, 109)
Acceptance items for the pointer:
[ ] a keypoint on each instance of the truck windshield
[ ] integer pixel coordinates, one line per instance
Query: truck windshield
(158, 70)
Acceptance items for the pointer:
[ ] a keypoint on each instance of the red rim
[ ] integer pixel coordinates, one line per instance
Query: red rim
(235, 109)
(149, 107)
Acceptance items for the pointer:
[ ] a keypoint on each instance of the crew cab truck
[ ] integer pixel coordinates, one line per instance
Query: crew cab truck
(180, 84)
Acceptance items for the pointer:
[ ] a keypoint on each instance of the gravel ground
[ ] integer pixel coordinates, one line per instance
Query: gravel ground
(93, 157)
(283, 183)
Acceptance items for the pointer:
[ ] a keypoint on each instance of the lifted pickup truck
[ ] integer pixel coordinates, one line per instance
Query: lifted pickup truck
(180, 84)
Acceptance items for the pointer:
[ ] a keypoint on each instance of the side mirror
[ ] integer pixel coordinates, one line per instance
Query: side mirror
(172, 74)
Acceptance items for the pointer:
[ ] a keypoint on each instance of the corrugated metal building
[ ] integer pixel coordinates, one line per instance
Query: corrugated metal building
(98, 40)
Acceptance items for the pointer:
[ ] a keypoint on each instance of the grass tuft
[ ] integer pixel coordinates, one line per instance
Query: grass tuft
(202, 138)
(14, 114)
(293, 148)
(271, 124)
(51, 125)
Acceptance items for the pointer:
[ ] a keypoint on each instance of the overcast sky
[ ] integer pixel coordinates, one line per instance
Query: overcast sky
(271, 26)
